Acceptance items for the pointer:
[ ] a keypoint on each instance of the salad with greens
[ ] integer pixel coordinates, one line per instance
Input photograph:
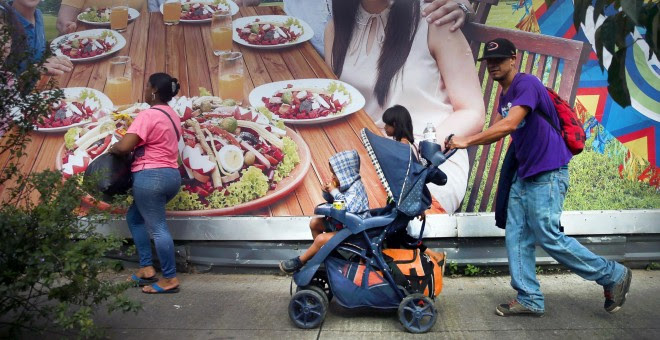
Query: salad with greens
(228, 155)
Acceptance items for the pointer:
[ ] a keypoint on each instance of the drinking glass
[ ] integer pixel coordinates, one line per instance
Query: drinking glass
(119, 15)
(231, 78)
(221, 32)
(119, 84)
(172, 12)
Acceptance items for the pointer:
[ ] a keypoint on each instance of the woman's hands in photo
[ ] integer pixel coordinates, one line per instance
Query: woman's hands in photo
(441, 12)
(58, 65)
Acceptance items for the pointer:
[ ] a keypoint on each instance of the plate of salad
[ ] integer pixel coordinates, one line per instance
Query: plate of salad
(271, 31)
(80, 105)
(100, 16)
(307, 101)
(233, 159)
(88, 45)
(199, 11)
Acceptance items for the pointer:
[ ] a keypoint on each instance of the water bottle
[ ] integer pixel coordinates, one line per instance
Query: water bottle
(429, 133)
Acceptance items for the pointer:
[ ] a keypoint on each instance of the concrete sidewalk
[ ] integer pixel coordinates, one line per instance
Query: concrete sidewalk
(249, 306)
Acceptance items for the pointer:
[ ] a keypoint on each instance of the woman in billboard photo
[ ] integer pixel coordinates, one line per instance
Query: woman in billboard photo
(424, 67)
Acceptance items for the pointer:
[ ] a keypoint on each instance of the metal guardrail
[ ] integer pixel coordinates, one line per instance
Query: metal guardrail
(258, 242)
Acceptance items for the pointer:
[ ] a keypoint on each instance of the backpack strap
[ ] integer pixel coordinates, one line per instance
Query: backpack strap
(546, 115)
(171, 120)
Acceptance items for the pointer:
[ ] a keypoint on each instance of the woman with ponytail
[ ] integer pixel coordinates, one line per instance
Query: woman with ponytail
(153, 137)
(424, 67)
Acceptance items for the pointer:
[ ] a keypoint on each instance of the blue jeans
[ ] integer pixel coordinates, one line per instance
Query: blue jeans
(535, 205)
(152, 189)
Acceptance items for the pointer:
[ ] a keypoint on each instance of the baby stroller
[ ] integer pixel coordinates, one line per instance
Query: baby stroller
(356, 268)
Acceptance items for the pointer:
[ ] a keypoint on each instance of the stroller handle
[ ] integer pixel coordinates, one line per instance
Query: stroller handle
(432, 153)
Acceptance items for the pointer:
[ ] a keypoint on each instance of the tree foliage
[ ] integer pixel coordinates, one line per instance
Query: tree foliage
(52, 266)
(613, 35)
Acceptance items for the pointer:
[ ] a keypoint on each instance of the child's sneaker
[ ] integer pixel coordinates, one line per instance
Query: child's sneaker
(514, 308)
(615, 295)
(291, 266)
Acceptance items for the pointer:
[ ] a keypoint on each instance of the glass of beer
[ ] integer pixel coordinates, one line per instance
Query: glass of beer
(119, 15)
(119, 84)
(221, 33)
(231, 75)
(172, 12)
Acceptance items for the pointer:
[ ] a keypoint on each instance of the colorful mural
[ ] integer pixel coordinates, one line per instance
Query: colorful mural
(637, 126)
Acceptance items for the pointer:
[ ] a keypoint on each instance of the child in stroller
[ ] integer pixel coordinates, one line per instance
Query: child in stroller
(358, 270)
(346, 186)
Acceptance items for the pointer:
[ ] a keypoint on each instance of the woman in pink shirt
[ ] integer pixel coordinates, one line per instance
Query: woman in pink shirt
(153, 138)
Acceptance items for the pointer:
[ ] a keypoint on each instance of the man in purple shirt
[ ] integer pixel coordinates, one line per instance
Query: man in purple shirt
(538, 190)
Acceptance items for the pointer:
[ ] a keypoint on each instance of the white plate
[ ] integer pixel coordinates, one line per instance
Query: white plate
(132, 15)
(121, 42)
(74, 92)
(267, 90)
(240, 23)
(233, 8)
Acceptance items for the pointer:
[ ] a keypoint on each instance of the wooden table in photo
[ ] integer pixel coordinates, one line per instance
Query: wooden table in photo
(185, 52)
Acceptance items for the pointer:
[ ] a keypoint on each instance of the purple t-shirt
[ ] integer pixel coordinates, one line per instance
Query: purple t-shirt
(538, 146)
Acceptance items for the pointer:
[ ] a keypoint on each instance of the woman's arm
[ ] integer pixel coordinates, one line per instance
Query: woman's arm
(328, 41)
(66, 19)
(125, 145)
(454, 58)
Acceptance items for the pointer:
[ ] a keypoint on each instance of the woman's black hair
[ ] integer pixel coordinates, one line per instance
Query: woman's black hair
(400, 31)
(398, 117)
(166, 87)
(18, 51)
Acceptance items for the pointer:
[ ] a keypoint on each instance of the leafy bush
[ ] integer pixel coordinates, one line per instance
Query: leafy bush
(52, 265)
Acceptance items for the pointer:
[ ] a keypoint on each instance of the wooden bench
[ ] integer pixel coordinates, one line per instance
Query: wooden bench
(556, 61)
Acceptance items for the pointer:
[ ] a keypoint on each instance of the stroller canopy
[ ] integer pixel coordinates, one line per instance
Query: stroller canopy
(403, 177)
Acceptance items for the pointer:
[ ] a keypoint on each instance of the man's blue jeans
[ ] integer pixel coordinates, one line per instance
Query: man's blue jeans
(535, 205)
(152, 189)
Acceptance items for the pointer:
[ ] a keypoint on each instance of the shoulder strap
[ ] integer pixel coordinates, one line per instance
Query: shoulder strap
(546, 115)
(171, 120)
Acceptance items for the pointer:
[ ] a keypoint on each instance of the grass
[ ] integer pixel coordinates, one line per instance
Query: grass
(49, 26)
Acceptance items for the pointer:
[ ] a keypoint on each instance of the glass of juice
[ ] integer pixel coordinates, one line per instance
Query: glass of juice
(172, 12)
(221, 33)
(119, 84)
(119, 15)
(231, 76)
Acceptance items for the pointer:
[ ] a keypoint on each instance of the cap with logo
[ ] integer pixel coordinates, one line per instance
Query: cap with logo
(498, 48)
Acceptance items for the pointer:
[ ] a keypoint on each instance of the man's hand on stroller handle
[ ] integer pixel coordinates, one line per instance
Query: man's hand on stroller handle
(455, 142)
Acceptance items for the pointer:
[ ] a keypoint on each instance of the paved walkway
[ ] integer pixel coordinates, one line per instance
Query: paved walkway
(242, 306)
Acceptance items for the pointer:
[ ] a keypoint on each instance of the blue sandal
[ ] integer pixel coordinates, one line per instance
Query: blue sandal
(159, 290)
(141, 282)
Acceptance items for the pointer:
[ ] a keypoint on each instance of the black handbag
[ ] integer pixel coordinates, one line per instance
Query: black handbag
(111, 175)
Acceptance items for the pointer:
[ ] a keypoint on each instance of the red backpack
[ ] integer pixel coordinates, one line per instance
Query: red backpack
(571, 128)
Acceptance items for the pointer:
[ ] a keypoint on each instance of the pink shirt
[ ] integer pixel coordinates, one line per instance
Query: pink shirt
(158, 146)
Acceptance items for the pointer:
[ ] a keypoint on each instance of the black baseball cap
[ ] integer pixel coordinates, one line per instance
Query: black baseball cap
(499, 48)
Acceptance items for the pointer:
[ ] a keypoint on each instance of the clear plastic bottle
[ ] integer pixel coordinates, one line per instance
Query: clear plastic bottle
(429, 133)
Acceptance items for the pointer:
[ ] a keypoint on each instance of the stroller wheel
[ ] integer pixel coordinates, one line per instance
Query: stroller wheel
(308, 307)
(317, 289)
(417, 313)
(320, 280)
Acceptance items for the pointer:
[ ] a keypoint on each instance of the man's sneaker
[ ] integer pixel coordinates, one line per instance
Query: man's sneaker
(514, 308)
(291, 265)
(615, 295)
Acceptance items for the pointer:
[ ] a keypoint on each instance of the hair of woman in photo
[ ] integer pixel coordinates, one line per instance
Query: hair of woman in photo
(10, 24)
(402, 23)
(166, 87)
(398, 117)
